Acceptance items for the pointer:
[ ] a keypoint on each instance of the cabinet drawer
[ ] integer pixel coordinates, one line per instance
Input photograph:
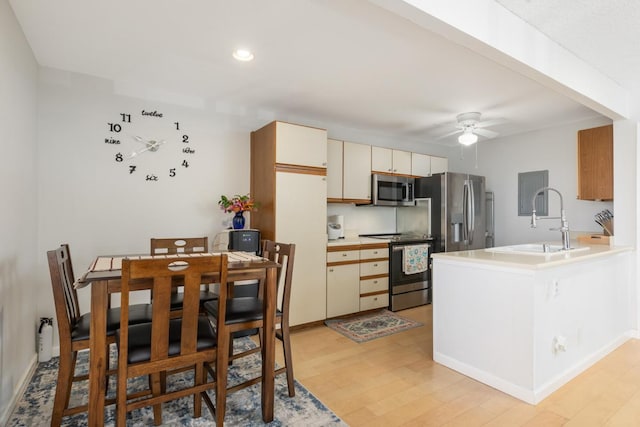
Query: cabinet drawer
(374, 301)
(374, 253)
(374, 285)
(343, 256)
(374, 268)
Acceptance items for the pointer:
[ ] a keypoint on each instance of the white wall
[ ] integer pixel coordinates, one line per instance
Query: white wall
(553, 149)
(90, 201)
(18, 255)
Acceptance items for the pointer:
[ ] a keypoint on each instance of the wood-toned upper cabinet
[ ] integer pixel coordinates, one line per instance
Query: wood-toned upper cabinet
(334, 169)
(387, 160)
(595, 163)
(356, 183)
(420, 164)
(439, 164)
(301, 145)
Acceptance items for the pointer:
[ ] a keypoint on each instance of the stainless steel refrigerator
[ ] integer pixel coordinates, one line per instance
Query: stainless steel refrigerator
(458, 210)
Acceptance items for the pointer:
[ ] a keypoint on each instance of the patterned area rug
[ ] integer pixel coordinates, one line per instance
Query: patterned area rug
(371, 326)
(243, 407)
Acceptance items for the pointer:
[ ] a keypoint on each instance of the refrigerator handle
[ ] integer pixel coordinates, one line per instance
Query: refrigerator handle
(472, 212)
(465, 211)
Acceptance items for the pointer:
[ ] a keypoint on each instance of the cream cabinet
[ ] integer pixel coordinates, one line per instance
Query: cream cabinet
(301, 145)
(387, 160)
(356, 185)
(420, 164)
(334, 169)
(439, 164)
(374, 276)
(301, 219)
(343, 275)
(293, 209)
(357, 278)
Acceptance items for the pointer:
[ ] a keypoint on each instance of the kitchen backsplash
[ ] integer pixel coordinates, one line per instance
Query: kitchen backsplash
(364, 219)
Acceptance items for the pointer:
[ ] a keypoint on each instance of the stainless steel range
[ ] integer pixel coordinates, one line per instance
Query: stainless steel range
(409, 270)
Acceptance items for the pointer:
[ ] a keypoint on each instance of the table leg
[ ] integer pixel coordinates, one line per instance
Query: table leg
(268, 345)
(98, 359)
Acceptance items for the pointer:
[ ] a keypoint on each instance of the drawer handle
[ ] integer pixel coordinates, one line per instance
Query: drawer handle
(375, 265)
(375, 281)
(344, 254)
(375, 299)
(331, 270)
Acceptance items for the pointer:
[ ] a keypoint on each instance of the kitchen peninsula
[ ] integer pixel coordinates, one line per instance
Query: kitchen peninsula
(527, 323)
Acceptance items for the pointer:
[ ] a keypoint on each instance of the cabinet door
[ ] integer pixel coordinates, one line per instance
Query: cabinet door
(595, 163)
(301, 145)
(343, 289)
(301, 218)
(357, 171)
(420, 164)
(382, 159)
(334, 169)
(402, 162)
(439, 164)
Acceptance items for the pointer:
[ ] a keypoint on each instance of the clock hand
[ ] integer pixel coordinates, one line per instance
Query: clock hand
(151, 146)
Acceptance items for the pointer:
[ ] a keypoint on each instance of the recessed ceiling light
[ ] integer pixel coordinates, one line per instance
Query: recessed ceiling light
(243, 55)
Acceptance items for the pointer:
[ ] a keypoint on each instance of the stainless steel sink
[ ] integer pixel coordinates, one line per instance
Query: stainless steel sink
(543, 249)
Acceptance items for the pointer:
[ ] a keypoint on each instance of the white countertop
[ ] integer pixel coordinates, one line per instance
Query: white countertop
(531, 262)
(355, 241)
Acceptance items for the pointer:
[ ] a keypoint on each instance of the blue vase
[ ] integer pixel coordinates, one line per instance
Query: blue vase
(238, 221)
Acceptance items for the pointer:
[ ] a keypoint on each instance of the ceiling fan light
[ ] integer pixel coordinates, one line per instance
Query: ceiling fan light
(468, 138)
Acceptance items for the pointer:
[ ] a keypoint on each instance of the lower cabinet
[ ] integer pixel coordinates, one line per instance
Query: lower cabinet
(374, 277)
(357, 278)
(343, 292)
(374, 301)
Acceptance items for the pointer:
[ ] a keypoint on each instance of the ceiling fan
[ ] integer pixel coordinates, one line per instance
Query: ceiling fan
(471, 126)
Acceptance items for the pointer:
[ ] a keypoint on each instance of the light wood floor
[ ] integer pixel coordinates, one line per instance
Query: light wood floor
(393, 381)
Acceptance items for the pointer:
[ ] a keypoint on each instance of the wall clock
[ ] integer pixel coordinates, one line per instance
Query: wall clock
(149, 145)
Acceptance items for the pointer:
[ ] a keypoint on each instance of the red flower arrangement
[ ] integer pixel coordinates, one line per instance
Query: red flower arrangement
(237, 203)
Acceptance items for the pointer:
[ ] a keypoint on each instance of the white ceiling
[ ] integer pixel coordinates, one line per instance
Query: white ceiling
(603, 33)
(344, 62)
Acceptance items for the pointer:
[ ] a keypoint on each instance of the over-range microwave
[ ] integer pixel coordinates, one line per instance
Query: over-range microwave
(389, 190)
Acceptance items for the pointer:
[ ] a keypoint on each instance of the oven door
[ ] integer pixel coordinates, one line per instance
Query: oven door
(401, 282)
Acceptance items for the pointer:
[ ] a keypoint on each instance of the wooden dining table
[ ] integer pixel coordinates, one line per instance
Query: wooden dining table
(104, 277)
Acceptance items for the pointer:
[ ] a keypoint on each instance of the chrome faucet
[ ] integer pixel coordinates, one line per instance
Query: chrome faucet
(564, 224)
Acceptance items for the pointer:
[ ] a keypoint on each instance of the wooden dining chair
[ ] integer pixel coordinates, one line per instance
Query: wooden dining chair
(243, 313)
(169, 344)
(73, 329)
(183, 245)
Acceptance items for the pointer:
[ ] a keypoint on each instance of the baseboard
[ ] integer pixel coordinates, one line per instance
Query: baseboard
(19, 391)
(531, 396)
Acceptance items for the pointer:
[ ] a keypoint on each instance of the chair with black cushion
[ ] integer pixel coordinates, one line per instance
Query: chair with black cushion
(181, 245)
(244, 313)
(73, 328)
(170, 344)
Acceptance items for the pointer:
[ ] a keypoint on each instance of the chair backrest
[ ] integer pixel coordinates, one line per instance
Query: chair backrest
(65, 296)
(284, 254)
(178, 245)
(161, 272)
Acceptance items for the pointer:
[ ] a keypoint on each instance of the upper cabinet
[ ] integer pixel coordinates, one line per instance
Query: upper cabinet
(334, 170)
(300, 145)
(595, 163)
(439, 164)
(420, 164)
(387, 160)
(356, 186)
